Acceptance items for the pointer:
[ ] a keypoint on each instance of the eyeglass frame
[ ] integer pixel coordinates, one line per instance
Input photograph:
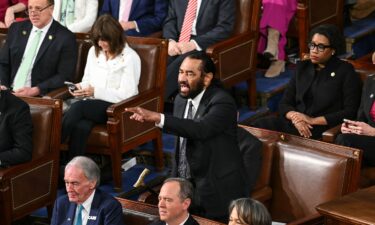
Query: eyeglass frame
(319, 47)
(37, 11)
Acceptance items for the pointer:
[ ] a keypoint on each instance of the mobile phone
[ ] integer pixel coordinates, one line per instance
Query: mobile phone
(72, 87)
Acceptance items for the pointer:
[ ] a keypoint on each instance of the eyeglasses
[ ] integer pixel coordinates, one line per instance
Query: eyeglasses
(320, 47)
(37, 10)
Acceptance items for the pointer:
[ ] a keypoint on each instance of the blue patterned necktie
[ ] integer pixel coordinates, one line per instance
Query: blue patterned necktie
(79, 215)
(183, 166)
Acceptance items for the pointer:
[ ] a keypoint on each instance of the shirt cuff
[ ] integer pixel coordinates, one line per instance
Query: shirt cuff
(136, 26)
(196, 45)
(162, 119)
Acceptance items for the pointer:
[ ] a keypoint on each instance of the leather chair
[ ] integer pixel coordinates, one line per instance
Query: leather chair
(304, 173)
(29, 186)
(235, 57)
(311, 13)
(121, 134)
(143, 214)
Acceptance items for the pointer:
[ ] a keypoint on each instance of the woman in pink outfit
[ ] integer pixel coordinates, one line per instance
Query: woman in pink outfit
(274, 24)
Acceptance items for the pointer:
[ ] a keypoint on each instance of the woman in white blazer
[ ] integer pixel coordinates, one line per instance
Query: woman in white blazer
(111, 75)
(85, 13)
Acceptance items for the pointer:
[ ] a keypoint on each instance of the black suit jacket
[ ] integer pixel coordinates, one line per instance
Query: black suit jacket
(215, 21)
(190, 221)
(54, 63)
(367, 99)
(212, 151)
(15, 130)
(336, 96)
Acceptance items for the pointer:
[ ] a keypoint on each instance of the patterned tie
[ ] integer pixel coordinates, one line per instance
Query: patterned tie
(25, 67)
(128, 6)
(187, 25)
(183, 166)
(79, 215)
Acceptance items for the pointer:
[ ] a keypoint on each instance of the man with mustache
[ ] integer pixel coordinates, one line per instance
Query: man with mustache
(39, 54)
(207, 152)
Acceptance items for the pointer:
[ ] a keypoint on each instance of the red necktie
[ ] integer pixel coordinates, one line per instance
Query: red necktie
(187, 25)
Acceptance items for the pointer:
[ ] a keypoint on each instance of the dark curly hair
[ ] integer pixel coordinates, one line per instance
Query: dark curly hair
(333, 34)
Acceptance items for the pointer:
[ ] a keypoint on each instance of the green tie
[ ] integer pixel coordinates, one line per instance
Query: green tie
(26, 66)
(79, 215)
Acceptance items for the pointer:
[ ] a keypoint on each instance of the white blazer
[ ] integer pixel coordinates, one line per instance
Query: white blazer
(85, 13)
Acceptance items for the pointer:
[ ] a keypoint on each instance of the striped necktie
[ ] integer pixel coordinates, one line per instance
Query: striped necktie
(187, 25)
(25, 67)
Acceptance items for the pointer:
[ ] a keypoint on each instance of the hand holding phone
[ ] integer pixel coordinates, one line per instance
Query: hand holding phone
(71, 86)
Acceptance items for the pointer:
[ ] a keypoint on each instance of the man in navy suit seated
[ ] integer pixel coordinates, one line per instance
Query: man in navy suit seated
(85, 204)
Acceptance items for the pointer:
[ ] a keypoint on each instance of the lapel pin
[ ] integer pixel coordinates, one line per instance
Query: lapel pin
(24, 32)
(372, 95)
(50, 37)
(68, 219)
(333, 74)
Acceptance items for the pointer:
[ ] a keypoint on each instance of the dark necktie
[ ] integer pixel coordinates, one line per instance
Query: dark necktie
(183, 166)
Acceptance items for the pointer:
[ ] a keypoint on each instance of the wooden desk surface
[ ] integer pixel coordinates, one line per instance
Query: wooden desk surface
(355, 208)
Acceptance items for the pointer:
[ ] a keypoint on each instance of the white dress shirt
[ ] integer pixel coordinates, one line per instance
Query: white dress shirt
(85, 210)
(115, 79)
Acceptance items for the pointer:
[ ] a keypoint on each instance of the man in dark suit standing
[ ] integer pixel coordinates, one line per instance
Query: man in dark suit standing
(15, 130)
(39, 54)
(174, 201)
(84, 203)
(207, 152)
(143, 18)
(194, 25)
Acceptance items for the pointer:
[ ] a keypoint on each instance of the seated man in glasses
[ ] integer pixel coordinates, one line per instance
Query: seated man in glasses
(323, 91)
(39, 54)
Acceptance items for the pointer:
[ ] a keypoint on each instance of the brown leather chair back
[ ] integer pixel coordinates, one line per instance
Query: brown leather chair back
(246, 20)
(149, 61)
(42, 129)
(83, 46)
(304, 173)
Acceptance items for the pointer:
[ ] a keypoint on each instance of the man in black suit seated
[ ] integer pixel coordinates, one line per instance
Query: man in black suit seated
(39, 54)
(174, 200)
(191, 26)
(207, 151)
(15, 130)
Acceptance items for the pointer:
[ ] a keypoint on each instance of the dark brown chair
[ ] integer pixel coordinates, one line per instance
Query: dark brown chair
(235, 58)
(311, 13)
(304, 173)
(29, 186)
(121, 134)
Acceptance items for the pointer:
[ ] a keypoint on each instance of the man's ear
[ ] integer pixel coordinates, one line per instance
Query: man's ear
(186, 203)
(207, 79)
(92, 184)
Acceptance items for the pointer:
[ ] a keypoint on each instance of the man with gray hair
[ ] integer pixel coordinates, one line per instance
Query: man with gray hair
(174, 201)
(84, 203)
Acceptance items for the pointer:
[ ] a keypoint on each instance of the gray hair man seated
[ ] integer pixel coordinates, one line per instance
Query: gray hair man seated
(84, 203)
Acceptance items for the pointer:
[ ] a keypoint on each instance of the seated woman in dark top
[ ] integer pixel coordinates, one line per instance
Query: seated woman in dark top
(323, 91)
(361, 133)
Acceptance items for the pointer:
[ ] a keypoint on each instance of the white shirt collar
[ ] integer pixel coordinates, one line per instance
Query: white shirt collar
(197, 100)
(183, 222)
(87, 204)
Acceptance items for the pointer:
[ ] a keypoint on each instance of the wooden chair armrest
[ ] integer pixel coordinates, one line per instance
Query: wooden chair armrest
(119, 108)
(60, 93)
(313, 219)
(231, 43)
(330, 134)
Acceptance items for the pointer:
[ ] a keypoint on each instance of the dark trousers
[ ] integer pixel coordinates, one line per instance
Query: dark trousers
(78, 121)
(284, 125)
(366, 143)
(173, 67)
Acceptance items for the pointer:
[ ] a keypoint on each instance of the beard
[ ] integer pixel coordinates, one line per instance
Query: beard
(193, 91)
